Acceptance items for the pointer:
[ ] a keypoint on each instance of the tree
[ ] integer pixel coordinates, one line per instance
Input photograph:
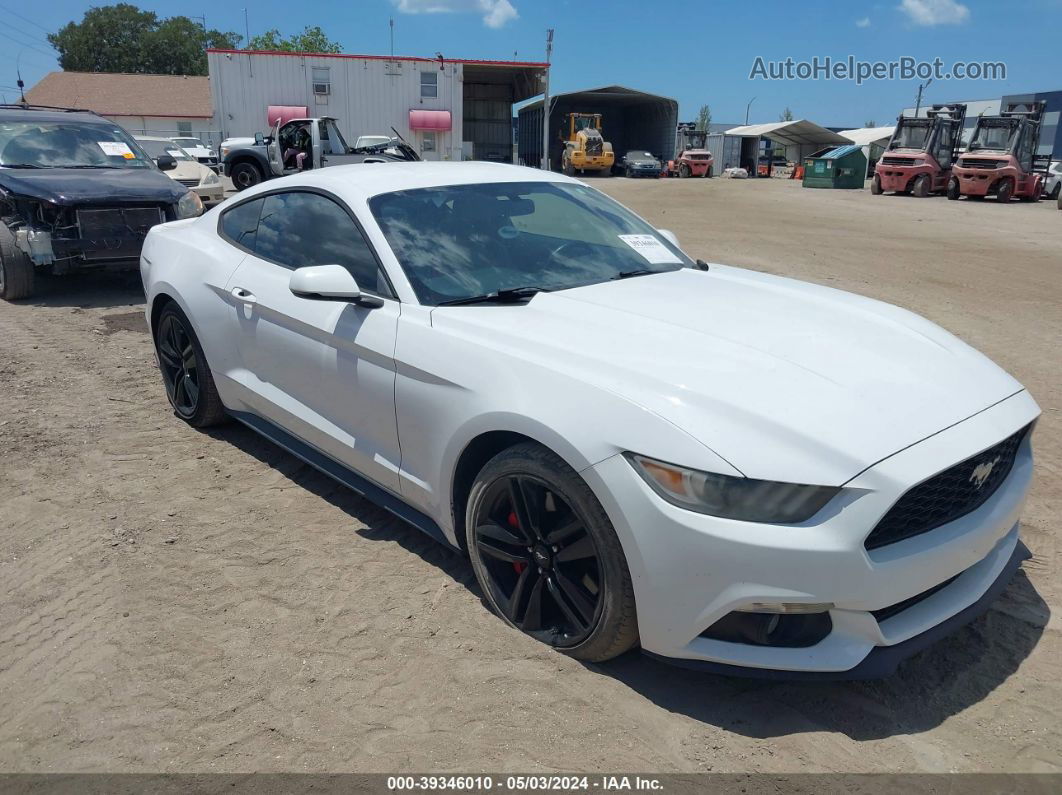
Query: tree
(787, 115)
(123, 38)
(704, 118)
(312, 39)
(870, 123)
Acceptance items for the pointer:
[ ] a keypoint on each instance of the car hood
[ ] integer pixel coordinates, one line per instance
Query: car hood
(91, 185)
(785, 380)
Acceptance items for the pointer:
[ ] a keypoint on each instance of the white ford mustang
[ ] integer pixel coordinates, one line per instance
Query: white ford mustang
(736, 471)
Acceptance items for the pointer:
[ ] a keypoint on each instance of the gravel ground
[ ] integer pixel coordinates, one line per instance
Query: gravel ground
(178, 601)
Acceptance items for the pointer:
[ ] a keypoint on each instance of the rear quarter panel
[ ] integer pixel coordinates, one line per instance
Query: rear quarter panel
(187, 262)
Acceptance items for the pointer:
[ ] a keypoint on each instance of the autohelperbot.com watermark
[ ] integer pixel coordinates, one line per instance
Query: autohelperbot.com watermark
(852, 68)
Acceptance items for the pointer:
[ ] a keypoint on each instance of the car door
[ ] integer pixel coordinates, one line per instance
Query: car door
(333, 146)
(324, 371)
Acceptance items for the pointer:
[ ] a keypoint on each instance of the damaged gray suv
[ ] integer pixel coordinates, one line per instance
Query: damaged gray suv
(76, 192)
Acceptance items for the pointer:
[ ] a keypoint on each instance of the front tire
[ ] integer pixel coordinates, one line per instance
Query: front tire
(245, 175)
(185, 373)
(953, 189)
(684, 171)
(921, 186)
(875, 185)
(17, 275)
(1005, 191)
(547, 557)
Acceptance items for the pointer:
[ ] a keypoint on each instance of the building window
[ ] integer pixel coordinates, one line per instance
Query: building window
(322, 83)
(427, 141)
(429, 84)
(184, 129)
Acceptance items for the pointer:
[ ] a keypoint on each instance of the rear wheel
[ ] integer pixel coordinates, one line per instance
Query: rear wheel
(245, 175)
(953, 188)
(875, 185)
(921, 186)
(185, 372)
(1005, 191)
(1058, 189)
(546, 555)
(16, 269)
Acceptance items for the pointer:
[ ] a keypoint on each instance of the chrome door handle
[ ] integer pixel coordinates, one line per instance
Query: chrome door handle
(246, 296)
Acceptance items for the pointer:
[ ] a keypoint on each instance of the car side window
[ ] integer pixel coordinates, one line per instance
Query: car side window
(298, 228)
(240, 224)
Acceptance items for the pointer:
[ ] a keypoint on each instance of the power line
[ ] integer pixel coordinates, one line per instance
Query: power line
(26, 19)
(24, 44)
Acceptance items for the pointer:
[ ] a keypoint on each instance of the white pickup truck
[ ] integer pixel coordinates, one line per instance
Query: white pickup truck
(262, 158)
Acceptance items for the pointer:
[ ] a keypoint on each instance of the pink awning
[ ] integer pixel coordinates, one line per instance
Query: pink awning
(429, 120)
(284, 114)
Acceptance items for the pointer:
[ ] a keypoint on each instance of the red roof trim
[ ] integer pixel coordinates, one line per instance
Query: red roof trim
(531, 64)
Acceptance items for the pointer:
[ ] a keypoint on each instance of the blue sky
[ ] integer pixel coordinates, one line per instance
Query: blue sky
(697, 52)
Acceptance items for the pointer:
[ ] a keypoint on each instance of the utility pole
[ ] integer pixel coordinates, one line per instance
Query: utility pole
(392, 38)
(545, 102)
(246, 30)
(921, 87)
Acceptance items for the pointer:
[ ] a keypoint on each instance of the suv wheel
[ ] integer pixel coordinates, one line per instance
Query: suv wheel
(547, 557)
(16, 269)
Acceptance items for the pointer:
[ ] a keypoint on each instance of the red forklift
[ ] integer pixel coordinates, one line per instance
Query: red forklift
(919, 157)
(1002, 158)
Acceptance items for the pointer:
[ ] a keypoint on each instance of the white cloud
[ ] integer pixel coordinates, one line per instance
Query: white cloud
(863, 23)
(935, 12)
(496, 13)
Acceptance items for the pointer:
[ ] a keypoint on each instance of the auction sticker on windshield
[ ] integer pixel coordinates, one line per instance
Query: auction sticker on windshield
(654, 252)
(116, 149)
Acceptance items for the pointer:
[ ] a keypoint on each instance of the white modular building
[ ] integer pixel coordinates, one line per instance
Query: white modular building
(448, 109)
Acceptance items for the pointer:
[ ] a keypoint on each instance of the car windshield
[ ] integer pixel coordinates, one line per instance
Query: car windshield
(39, 144)
(912, 135)
(639, 156)
(191, 143)
(156, 149)
(462, 241)
(993, 134)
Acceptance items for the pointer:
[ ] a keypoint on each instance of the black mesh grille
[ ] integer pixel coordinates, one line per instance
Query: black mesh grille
(948, 495)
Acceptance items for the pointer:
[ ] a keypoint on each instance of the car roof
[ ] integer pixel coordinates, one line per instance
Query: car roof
(29, 114)
(365, 180)
(153, 138)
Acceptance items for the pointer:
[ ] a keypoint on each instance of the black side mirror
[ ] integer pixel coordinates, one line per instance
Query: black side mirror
(258, 139)
(166, 162)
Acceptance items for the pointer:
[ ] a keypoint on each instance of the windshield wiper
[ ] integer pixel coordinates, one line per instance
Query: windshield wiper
(79, 165)
(513, 295)
(19, 165)
(641, 272)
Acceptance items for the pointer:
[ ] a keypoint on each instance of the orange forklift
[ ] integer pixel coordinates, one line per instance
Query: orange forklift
(920, 154)
(1002, 158)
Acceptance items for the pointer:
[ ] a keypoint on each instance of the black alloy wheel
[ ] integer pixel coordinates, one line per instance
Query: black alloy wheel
(180, 366)
(542, 565)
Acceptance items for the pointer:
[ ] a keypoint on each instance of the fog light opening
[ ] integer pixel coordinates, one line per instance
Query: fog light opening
(774, 628)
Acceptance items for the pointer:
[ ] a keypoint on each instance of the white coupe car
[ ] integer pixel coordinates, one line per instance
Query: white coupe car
(737, 471)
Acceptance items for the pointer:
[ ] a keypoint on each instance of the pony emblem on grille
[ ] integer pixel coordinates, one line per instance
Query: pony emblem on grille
(982, 471)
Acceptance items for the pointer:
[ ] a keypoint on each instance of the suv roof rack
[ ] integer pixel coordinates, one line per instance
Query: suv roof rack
(28, 106)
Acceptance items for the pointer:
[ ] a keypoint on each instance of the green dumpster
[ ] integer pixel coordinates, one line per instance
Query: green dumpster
(843, 167)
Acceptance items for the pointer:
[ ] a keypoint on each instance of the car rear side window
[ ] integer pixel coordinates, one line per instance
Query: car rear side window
(240, 224)
(297, 229)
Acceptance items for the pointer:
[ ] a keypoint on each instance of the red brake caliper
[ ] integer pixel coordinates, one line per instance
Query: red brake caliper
(515, 524)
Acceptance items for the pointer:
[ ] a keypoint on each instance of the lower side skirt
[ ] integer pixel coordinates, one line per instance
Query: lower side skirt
(342, 474)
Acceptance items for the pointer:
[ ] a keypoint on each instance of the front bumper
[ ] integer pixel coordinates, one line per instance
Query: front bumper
(210, 193)
(689, 570)
(979, 181)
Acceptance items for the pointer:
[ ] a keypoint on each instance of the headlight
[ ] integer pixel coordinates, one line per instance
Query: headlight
(189, 206)
(918, 161)
(744, 499)
(210, 179)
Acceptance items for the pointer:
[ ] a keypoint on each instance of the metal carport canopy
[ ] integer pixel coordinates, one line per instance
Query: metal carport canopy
(791, 133)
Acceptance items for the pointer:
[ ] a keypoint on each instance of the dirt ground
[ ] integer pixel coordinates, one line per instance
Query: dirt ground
(178, 601)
